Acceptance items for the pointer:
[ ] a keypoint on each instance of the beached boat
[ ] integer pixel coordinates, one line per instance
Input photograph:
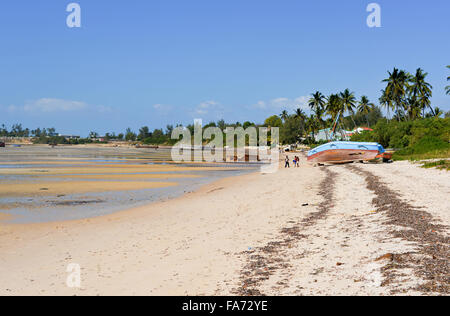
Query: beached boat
(337, 152)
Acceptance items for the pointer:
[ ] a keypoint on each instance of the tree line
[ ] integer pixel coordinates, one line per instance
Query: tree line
(406, 96)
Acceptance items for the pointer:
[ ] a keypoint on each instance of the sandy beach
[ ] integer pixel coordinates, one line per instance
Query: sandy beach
(333, 230)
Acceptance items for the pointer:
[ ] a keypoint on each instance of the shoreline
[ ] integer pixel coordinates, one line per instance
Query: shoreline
(294, 232)
(126, 211)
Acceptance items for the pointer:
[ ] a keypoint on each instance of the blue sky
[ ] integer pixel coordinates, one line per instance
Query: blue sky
(159, 62)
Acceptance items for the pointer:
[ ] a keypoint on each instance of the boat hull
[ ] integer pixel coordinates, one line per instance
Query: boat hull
(343, 155)
(337, 152)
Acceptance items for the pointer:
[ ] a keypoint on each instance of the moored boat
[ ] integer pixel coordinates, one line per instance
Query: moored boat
(337, 152)
(2, 144)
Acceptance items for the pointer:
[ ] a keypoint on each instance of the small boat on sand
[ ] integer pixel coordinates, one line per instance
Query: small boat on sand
(340, 152)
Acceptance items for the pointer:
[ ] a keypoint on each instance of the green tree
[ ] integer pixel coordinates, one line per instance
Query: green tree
(421, 93)
(396, 88)
(144, 133)
(312, 126)
(334, 106)
(386, 102)
(365, 107)
(317, 104)
(221, 124)
(348, 103)
(290, 132)
(284, 115)
(130, 135)
(273, 121)
(437, 112)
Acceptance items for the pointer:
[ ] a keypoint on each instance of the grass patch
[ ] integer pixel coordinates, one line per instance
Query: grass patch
(441, 164)
(428, 147)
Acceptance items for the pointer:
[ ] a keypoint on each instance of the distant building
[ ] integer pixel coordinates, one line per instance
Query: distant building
(325, 134)
(69, 137)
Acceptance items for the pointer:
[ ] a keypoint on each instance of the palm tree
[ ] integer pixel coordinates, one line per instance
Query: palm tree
(365, 107)
(420, 91)
(395, 91)
(333, 106)
(438, 112)
(414, 108)
(284, 115)
(386, 102)
(348, 103)
(317, 104)
(334, 109)
(300, 114)
(447, 88)
(312, 126)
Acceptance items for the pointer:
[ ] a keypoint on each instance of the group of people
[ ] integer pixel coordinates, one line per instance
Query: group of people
(296, 162)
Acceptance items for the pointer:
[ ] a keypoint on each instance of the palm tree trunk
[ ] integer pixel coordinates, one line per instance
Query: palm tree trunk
(351, 116)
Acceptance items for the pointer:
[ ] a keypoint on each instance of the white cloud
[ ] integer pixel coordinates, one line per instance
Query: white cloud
(54, 105)
(163, 109)
(211, 108)
(104, 109)
(280, 104)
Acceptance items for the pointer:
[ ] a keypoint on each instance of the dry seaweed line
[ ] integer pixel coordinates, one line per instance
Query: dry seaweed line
(431, 261)
(264, 261)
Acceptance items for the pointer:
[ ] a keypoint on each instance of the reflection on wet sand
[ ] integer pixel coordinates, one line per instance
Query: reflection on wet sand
(74, 187)
(38, 184)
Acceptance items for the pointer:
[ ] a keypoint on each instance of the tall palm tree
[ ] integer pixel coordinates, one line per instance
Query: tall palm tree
(333, 106)
(396, 88)
(438, 112)
(334, 109)
(414, 108)
(300, 114)
(420, 91)
(312, 126)
(284, 115)
(365, 107)
(386, 102)
(447, 88)
(348, 103)
(317, 104)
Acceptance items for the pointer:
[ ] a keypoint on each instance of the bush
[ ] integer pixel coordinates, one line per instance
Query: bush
(419, 139)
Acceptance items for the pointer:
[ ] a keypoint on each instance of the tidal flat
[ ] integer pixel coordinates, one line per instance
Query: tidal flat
(41, 184)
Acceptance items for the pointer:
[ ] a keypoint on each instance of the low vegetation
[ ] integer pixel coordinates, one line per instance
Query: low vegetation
(413, 140)
(441, 164)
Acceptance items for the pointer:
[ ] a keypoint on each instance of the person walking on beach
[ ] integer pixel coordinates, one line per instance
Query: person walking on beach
(286, 165)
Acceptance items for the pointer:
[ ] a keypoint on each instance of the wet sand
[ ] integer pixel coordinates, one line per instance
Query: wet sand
(63, 185)
(303, 231)
(74, 187)
(95, 169)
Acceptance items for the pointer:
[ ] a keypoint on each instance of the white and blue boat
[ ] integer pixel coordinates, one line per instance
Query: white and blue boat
(338, 152)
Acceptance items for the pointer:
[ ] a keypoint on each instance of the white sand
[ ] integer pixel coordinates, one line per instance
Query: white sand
(194, 245)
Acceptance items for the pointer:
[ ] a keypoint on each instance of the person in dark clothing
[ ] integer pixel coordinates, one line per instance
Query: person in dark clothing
(286, 165)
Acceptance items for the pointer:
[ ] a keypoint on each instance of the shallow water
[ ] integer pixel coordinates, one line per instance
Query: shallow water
(44, 207)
